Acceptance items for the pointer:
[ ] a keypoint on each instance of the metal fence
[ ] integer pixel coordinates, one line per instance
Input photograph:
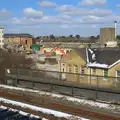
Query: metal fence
(15, 76)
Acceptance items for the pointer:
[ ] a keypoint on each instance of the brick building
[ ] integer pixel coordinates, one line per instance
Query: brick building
(23, 39)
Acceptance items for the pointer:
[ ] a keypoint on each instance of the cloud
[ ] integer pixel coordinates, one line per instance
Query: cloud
(118, 5)
(61, 19)
(5, 14)
(75, 11)
(92, 2)
(32, 13)
(47, 4)
(66, 20)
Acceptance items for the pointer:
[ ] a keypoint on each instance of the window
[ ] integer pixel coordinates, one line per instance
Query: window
(75, 69)
(105, 73)
(82, 70)
(94, 71)
(118, 73)
(69, 68)
(63, 65)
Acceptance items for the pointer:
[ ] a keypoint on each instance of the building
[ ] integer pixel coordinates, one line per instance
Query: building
(73, 62)
(104, 62)
(23, 39)
(86, 66)
(107, 35)
(1, 37)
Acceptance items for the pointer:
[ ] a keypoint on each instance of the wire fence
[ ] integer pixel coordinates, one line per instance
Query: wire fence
(110, 84)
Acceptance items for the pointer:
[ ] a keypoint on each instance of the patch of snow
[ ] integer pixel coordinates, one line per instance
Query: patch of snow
(23, 113)
(46, 67)
(39, 109)
(98, 65)
(93, 57)
(90, 51)
(44, 119)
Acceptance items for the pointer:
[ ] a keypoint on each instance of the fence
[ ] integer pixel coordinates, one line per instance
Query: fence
(110, 84)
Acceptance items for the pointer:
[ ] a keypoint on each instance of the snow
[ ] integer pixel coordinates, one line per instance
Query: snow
(46, 67)
(90, 51)
(92, 104)
(38, 109)
(97, 65)
(93, 57)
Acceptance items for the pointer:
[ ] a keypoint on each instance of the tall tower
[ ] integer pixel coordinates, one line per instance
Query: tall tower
(1, 37)
(115, 28)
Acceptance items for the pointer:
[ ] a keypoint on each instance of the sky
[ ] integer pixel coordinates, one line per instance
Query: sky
(59, 17)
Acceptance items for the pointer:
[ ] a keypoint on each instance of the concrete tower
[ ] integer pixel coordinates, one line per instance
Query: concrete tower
(107, 35)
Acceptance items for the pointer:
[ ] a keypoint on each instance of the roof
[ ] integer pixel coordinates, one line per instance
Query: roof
(79, 51)
(105, 56)
(82, 52)
(58, 49)
(17, 35)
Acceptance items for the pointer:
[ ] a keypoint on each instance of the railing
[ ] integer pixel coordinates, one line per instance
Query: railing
(110, 84)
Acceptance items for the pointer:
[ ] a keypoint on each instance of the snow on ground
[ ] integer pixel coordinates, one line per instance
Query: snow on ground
(93, 104)
(46, 67)
(36, 59)
(39, 109)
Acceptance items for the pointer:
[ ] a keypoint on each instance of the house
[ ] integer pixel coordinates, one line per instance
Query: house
(74, 63)
(104, 62)
(84, 65)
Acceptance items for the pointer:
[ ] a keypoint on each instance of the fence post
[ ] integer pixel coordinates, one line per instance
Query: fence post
(17, 76)
(72, 91)
(96, 89)
(44, 75)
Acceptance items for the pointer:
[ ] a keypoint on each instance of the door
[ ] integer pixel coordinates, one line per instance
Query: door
(63, 70)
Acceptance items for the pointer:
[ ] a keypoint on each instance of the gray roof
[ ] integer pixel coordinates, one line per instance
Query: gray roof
(17, 35)
(82, 53)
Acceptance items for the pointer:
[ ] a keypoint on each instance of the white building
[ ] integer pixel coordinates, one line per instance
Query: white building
(1, 37)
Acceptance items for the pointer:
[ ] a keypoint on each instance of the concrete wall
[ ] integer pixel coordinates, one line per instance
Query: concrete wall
(107, 34)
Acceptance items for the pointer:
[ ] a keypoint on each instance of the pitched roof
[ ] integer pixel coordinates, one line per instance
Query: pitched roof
(106, 56)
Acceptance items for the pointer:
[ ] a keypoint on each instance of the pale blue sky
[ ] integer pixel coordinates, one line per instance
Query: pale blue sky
(58, 17)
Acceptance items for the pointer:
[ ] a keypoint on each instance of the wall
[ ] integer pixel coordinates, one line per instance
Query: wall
(107, 34)
(19, 40)
(1, 38)
(73, 59)
(112, 71)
